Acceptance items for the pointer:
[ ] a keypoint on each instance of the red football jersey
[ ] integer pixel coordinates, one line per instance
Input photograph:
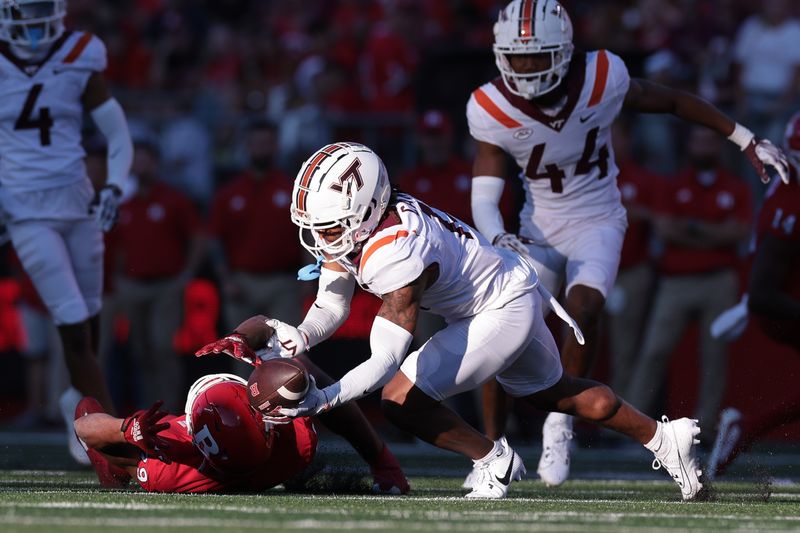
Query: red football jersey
(293, 450)
(779, 217)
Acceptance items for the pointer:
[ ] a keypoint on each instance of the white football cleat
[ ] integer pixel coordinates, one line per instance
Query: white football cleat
(676, 454)
(728, 433)
(556, 436)
(68, 402)
(494, 475)
(472, 478)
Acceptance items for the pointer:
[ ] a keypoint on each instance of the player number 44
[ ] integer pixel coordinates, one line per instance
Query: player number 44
(556, 175)
(43, 122)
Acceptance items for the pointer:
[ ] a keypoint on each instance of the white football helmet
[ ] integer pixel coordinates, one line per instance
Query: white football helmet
(342, 185)
(791, 141)
(32, 25)
(533, 27)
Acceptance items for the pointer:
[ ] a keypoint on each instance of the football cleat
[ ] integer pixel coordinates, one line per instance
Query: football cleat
(387, 476)
(495, 474)
(109, 475)
(68, 402)
(728, 434)
(556, 436)
(677, 456)
(472, 478)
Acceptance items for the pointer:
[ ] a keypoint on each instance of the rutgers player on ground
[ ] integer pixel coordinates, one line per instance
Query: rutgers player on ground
(49, 78)
(414, 256)
(773, 301)
(220, 444)
(551, 110)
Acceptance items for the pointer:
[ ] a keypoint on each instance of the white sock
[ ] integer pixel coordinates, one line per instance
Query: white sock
(655, 444)
(560, 419)
(497, 448)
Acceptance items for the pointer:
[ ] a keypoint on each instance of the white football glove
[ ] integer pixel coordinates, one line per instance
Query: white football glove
(105, 207)
(315, 402)
(769, 154)
(509, 241)
(287, 341)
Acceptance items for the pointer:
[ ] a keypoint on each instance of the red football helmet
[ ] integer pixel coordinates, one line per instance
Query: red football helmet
(791, 141)
(232, 436)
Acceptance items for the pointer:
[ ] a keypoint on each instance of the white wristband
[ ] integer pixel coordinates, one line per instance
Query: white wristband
(485, 200)
(741, 136)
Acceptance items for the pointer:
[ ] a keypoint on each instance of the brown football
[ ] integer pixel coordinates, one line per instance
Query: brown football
(277, 383)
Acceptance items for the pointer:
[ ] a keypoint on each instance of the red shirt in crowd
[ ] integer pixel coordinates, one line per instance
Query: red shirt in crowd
(727, 197)
(639, 190)
(251, 219)
(448, 188)
(154, 231)
(389, 63)
(293, 449)
(780, 217)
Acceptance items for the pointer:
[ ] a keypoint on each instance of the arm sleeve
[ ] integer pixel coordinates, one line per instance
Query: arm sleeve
(110, 120)
(485, 200)
(389, 344)
(331, 307)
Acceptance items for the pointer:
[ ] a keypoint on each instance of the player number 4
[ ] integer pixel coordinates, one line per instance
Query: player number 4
(554, 173)
(43, 122)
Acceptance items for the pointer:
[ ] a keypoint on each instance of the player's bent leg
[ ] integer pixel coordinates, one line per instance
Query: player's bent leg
(672, 443)
(585, 305)
(84, 368)
(349, 421)
(496, 463)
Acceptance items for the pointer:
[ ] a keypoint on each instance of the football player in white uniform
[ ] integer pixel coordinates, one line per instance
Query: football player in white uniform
(416, 257)
(48, 78)
(551, 110)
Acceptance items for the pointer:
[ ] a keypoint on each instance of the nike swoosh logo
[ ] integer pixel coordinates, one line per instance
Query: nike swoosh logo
(587, 117)
(506, 479)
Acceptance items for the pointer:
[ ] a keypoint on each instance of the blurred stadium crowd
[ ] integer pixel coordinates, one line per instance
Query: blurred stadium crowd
(226, 98)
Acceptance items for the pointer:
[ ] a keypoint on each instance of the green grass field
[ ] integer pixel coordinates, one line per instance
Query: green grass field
(46, 501)
(613, 491)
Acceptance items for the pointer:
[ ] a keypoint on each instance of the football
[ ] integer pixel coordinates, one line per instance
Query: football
(277, 383)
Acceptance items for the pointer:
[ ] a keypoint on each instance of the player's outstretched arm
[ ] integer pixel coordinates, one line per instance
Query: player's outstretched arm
(649, 97)
(389, 340)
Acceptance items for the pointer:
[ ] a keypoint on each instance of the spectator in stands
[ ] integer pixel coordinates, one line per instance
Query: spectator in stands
(158, 246)
(703, 216)
(441, 177)
(630, 299)
(254, 245)
(767, 68)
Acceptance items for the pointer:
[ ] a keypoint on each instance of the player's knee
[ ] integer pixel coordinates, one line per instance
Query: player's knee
(585, 306)
(604, 403)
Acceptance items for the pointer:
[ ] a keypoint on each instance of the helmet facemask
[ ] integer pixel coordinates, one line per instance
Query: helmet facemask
(32, 26)
(527, 28)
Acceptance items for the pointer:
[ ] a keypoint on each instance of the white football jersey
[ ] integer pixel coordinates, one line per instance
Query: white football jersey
(567, 161)
(41, 113)
(473, 275)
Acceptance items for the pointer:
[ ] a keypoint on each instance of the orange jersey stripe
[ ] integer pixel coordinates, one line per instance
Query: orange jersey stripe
(600, 77)
(78, 48)
(383, 241)
(498, 114)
